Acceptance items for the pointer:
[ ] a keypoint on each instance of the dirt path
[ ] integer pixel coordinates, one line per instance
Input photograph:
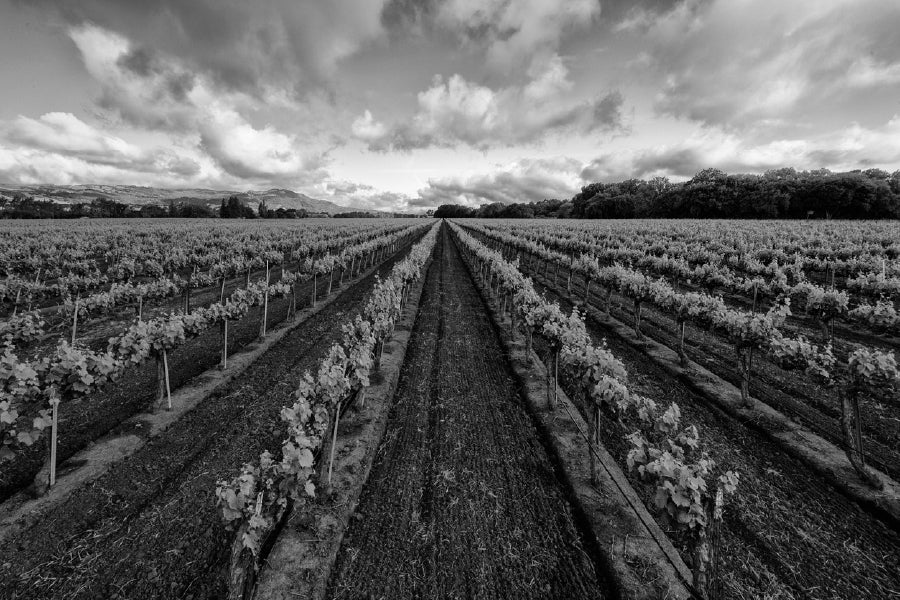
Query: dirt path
(787, 533)
(150, 528)
(462, 501)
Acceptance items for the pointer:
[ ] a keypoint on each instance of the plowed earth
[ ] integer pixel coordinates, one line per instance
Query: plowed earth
(463, 500)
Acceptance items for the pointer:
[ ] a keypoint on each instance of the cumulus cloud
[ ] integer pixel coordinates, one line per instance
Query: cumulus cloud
(742, 63)
(525, 180)
(362, 196)
(61, 141)
(29, 165)
(290, 45)
(156, 92)
(67, 134)
(248, 152)
(144, 89)
(367, 129)
(456, 111)
(845, 149)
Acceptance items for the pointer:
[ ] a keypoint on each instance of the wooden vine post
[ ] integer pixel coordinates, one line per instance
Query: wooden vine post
(75, 320)
(529, 343)
(16, 301)
(334, 432)
(224, 364)
(637, 319)
(552, 377)
(851, 427)
(594, 424)
(163, 390)
(265, 312)
(292, 307)
(54, 434)
(187, 296)
(705, 550)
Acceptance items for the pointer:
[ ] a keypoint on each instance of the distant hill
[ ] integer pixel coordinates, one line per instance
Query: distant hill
(141, 196)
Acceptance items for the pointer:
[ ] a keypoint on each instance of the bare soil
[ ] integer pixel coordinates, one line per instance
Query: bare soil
(463, 500)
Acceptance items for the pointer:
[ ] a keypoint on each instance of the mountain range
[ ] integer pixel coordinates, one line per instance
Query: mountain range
(142, 196)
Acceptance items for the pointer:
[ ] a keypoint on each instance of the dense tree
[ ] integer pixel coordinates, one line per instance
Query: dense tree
(356, 214)
(104, 207)
(233, 208)
(453, 211)
(712, 193)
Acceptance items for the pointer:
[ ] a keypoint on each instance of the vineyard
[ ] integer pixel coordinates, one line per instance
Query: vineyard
(465, 408)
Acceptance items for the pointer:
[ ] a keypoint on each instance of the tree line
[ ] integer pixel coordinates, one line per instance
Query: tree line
(711, 193)
(27, 207)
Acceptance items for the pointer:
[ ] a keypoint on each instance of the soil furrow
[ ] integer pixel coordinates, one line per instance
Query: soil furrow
(498, 523)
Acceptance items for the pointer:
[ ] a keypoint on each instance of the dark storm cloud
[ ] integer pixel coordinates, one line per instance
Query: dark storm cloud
(408, 15)
(681, 162)
(142, 62)
(608, 112)
(287, 44)
(399, 16)
(139, 61)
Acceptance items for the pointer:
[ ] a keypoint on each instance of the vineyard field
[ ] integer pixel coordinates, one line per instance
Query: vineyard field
(450, 408)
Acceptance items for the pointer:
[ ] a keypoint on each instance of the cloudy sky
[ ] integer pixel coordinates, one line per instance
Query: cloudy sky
(407, 104)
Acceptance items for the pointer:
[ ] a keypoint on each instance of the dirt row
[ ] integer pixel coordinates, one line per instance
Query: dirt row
(86, 419)
(462, 500)
(787, 533)
(149, 528)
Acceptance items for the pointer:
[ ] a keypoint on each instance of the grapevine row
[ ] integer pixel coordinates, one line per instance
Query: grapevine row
(867, 372)
(690, 488)
(256, 499)
(37, 387)
(25, 327)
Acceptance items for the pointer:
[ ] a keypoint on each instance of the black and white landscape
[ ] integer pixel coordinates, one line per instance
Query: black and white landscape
(426, 299)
